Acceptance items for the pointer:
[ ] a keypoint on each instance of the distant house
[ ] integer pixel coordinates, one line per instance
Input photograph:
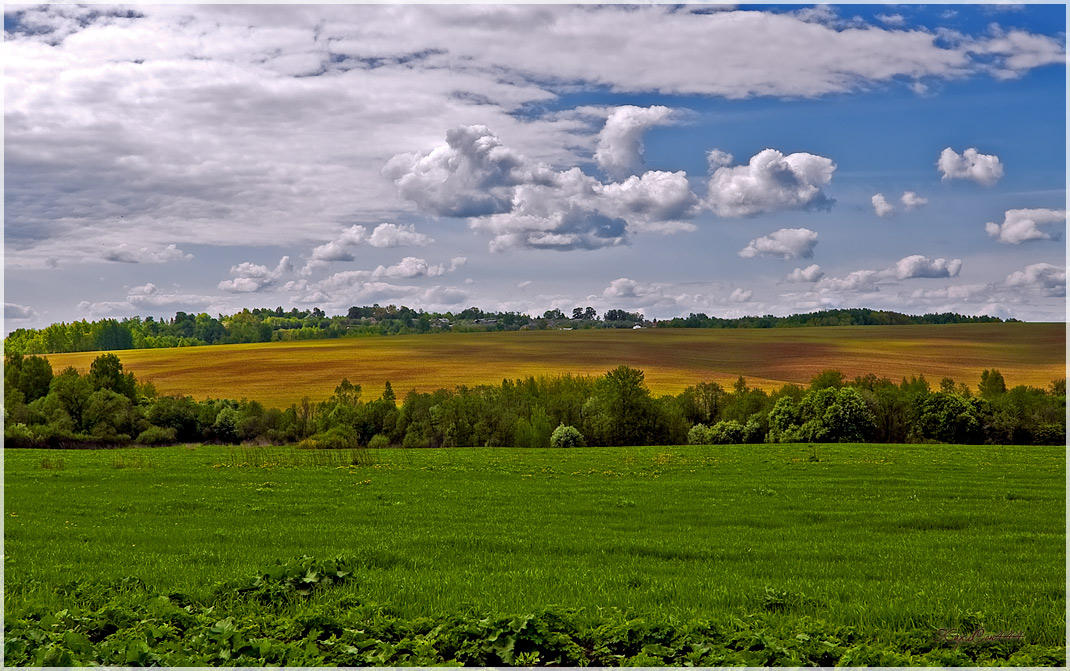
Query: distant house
(486, 322)
(637, 326)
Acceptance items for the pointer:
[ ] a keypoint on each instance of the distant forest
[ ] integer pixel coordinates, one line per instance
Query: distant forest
(270, 325)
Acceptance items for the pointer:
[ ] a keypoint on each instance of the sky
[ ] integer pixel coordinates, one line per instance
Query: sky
(733, 161)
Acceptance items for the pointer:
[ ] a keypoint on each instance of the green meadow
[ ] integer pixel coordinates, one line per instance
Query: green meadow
(890, 543)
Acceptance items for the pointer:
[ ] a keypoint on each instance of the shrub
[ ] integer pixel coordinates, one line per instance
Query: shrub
(566, 436)
(336, 438)
(728, 432)
(699, 435)
(157, 435)
(379, 441)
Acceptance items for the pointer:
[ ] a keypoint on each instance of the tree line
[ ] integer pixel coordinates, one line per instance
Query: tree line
(108, 407)
(270, 325)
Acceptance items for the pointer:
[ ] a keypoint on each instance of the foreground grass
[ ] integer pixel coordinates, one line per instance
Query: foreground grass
(889, 541)
(279, 374)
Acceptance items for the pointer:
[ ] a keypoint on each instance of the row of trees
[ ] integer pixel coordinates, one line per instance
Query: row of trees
(836, 317)
(108, 406)
(266, 325)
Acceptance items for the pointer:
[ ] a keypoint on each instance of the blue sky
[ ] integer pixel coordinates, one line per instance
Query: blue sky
(762, 159)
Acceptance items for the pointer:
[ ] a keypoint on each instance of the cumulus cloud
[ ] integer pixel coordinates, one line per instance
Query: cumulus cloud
(912, 200)
(984, 169)
(1042, 278)
(343, 248)
(655, 201)
(740, 296)
(858, 281)
(1022, 225)
(14, 311)
(472, 175)
(149, 297)
(787, 243)
(718, 159)
(623, 287)
(250, 277)
(811, 273)
(881, 205)
(123, 253)
(620, 144)
(771, 182)
(524, 204)
(922, 266)
(393, 235)
(408, 267)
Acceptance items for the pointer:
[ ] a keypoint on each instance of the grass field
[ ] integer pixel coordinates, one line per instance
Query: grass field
(885, 539)
(279, 374)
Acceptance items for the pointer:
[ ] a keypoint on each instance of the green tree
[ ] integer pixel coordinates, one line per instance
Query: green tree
(106, 372)
(71, 392)
(109, 334)
(225, 426)
(109, 415)
(627, 407)
(992, 384)
(30, 375)
(827, 379)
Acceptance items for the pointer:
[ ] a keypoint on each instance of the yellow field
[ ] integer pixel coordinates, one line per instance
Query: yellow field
(279, 374)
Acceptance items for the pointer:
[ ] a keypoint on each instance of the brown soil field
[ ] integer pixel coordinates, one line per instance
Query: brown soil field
(279, 374)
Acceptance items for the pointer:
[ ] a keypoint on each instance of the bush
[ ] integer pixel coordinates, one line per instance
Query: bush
(728, 432)
(566, 436)
(336, 438)
(157, 435)
(379, 441)
(699, 435)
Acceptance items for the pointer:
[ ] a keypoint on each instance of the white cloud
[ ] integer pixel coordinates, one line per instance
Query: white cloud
(343, 248)
(1042, 278)
(922, 266)
(858, 281)
(123, 253)
(251, 277)
(523, 204)
(740, 296)
(620, 144)
(523, 285)
(408, 267)
(1022, 225)
(895, 20)
(912, 200)
(717, 158)
(881, 205)
(811, 273)
(771, 182)
(472, 175)
(787, 243)
(656, 201)
(393, 235)
(984, 169)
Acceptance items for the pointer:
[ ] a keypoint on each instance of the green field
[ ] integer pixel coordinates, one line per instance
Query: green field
(279, 374)
(889, 541)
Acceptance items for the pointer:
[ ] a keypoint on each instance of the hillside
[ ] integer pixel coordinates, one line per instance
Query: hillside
(282, 373)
